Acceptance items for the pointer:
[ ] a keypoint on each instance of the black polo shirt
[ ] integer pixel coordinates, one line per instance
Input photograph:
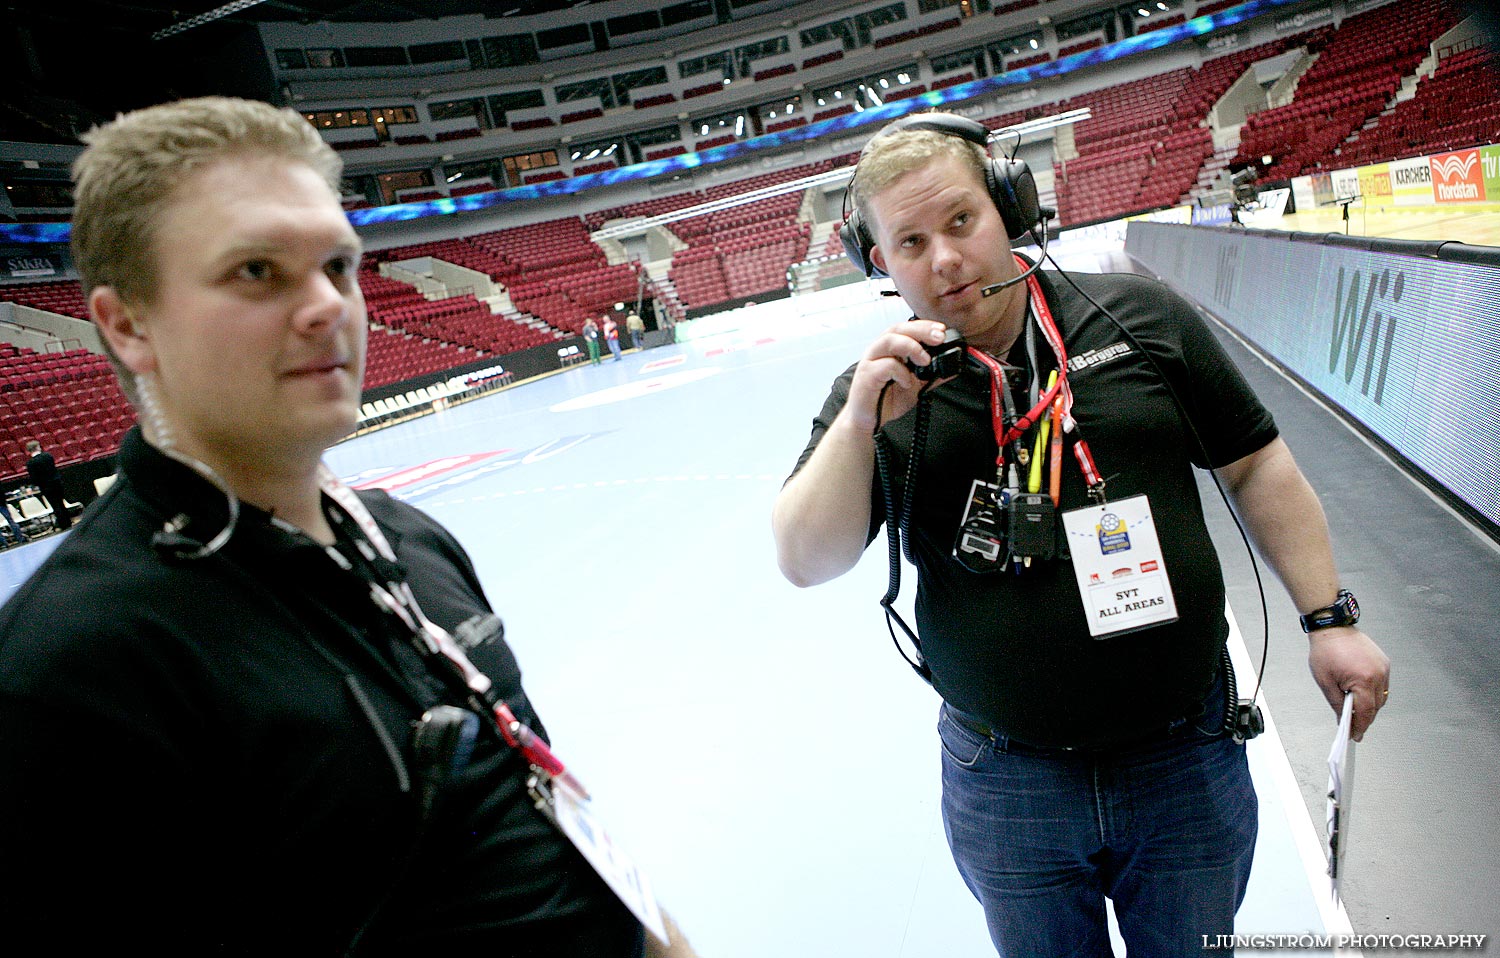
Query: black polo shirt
(213, 756)
(1013, 650)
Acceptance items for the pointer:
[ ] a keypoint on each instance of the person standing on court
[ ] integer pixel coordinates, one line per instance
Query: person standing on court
(591, 339)
(261, 712)
(42, 469)
(637, 328)
(1070, 606)
(15, 527)
(612, 335)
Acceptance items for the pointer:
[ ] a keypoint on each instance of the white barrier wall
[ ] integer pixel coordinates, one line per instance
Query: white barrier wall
(1407, 345)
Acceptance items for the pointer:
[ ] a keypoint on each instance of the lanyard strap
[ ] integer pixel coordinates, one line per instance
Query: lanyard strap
(1004, 435)
(1057, 400)
(394, 596)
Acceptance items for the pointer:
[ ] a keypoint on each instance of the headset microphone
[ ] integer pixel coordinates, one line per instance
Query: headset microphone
(1046, 214)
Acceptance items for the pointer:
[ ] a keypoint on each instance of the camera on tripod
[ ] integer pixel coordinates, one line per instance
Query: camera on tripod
(1243, 186)
(947, 358)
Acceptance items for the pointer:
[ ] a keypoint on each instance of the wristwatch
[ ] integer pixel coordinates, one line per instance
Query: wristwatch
(1344, 611)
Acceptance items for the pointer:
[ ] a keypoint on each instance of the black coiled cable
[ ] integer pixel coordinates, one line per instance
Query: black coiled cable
(898, 523)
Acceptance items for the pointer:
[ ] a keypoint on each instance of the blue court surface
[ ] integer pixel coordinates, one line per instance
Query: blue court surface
(761, 751)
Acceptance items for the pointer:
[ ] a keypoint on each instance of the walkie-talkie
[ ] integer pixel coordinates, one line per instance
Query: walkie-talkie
(1032, 524)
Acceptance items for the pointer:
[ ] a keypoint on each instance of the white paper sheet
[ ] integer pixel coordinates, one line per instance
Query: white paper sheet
(1340, 795)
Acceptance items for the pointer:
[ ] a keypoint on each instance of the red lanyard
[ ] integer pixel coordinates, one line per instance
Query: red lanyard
(1059, 391)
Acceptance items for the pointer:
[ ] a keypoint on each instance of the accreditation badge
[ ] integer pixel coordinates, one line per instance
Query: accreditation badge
(574, 816)
(1117, 560)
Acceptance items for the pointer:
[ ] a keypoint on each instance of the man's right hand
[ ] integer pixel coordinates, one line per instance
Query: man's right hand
(822, 516)
(885, 362)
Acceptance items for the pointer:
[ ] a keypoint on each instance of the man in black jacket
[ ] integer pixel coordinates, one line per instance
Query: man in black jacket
(42, 469)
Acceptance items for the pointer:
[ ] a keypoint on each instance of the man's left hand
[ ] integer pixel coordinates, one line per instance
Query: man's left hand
(1344, 659)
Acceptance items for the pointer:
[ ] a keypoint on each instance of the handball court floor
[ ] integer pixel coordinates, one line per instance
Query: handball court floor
(764, 753)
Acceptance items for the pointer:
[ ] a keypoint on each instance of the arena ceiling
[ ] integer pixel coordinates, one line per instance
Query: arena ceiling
(149, 16)
(65, 66)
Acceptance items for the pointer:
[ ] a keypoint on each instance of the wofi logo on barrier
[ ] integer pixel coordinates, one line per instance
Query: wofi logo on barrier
(1362, 332)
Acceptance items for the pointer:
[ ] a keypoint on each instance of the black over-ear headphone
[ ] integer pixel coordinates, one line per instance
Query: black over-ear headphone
(1009, 182)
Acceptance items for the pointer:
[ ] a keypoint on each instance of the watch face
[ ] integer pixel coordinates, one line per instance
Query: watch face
(1351, 608)
(1344, 611)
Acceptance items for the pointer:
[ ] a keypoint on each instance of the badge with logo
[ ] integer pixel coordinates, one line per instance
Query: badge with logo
(1117, 561)
(1113, 536)
(573, 814)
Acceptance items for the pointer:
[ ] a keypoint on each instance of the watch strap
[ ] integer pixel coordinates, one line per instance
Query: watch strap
(1343, 611)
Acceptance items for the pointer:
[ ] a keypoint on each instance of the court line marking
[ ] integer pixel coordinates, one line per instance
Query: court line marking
(604, 484)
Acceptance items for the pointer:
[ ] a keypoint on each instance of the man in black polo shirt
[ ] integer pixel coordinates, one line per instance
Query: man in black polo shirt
(244, 709)
(1070, 606)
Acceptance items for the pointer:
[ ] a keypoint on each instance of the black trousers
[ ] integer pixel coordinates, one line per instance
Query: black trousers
(53, 493)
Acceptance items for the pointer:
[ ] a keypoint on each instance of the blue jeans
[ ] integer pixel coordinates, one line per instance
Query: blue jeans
(10, 520)
(1166, 832)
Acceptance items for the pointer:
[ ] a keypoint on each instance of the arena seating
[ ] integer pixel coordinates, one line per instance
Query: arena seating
(64, 298)
(552, 271)
(1146, 144)
(1448, 112)
(1148, 140)
(743, 251)
(487, 186)
(461, 319)
(68, 401)
(832, 112)
(1028, 61)
(393, 357)
(656, 206)
(952, 80)
(1138, 149)
(1355, 77)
